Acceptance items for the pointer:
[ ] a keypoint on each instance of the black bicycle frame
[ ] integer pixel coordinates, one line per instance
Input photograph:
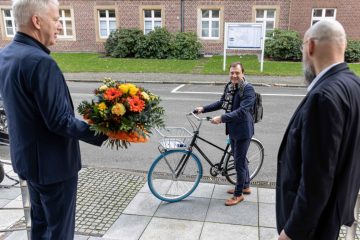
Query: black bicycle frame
(225, 151)
(192, 145)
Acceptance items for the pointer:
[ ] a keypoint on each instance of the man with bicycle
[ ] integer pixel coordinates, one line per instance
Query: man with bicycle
(238, 101)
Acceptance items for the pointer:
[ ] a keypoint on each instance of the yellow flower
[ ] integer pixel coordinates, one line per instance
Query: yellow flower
(103, 88)
(153, 97)
(118, 109)
(102, 106)
(145, 96)
(133, 90)
(124, 87)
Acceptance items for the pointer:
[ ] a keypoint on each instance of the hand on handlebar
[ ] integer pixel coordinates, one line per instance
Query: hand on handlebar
(216, 120)
(198, 110)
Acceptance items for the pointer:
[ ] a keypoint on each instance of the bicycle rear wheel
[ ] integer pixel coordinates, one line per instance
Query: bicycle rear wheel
(254, 157)
(174, 175)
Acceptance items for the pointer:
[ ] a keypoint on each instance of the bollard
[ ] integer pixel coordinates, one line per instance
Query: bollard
(351, 231)
(26, 205)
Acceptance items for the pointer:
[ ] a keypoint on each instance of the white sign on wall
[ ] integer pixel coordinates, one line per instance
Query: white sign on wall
(249, 36)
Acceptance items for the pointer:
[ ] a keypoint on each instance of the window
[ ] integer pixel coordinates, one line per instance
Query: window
(322, 13)
(107, 22)
(9, 23)
(152, 19)
(210, 24)
(267, 16)
(67, 24)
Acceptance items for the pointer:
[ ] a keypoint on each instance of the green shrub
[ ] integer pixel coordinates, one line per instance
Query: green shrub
(111, 42)
(185, 45)
(352, 52)
(121, 43)
(155, 44)
(284, 45)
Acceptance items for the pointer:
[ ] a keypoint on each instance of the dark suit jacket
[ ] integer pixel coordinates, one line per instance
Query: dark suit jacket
(239, 122)
(319, 159)
(43, 131)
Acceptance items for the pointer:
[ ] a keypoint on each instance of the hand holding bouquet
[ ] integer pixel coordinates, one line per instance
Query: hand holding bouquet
(123, 111)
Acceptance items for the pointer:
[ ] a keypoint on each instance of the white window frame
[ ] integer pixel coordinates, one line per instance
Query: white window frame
(322, 15)
(266, 19)
(63, 20)
(107, 19)
(11, 18)
(153, 19)
(210, 19)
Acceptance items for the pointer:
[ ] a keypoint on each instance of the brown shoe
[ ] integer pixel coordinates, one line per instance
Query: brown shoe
(245, 191)
(234, 200)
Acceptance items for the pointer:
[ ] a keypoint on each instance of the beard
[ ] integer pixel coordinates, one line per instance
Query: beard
(309, 72)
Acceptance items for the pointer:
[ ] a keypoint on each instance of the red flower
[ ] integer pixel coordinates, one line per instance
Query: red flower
(136, 104)
(112, 93)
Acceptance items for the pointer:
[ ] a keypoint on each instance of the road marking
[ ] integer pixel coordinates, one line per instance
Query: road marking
(176, 90)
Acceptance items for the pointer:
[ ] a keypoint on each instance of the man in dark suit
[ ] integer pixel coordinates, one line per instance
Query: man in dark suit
(43, 131)
(319, 157)
(238, 102)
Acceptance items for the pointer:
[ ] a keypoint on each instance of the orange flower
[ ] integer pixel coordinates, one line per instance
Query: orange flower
(136, 104)
(112, 93)
(130, 137)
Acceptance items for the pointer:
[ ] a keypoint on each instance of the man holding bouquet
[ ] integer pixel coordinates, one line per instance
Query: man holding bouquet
(44, 133)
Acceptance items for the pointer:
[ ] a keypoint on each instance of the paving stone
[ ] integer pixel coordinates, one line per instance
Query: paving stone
(244, 213)
(165, 229)
(188, 209)
(129, 227)
(268, 234)
(267, 215)
(266, 195)
(216, 231)
(143, 204)
(9, 193)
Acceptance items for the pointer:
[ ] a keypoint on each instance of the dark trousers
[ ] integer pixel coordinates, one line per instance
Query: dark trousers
(240, 148)
(53, 210)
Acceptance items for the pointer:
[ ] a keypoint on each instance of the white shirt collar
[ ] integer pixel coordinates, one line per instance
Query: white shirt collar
(316, 79)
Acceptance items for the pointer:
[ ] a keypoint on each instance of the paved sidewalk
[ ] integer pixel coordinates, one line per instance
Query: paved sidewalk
(203, 215)
(114, 205)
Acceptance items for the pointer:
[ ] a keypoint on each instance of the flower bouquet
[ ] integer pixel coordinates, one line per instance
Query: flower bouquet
(124, 112)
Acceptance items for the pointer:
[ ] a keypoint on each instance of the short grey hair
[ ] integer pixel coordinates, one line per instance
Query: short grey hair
(327, 29)
(23, 10)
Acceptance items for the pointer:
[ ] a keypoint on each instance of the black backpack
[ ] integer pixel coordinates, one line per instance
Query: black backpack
(258, 108)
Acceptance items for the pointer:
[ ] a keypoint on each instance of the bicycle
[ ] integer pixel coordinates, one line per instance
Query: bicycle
(177, 171)
(4, 137)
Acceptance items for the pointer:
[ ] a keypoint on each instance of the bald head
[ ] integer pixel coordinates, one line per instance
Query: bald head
(327, 30)
(324, 45)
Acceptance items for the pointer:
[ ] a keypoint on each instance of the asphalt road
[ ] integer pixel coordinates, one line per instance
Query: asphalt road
(279, 104)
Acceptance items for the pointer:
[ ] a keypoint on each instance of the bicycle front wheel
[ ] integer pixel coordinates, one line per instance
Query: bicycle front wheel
(174, 175)
(254, 157)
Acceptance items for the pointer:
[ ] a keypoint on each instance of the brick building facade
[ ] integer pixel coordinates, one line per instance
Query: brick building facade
(87, 23)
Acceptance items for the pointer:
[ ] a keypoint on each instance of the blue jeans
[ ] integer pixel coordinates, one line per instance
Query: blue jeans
(239, 149)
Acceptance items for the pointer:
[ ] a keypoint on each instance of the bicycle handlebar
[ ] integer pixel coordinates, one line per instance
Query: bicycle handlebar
(193, 113)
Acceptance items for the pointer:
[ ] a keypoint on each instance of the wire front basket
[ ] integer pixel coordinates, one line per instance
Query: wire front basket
(174, 137)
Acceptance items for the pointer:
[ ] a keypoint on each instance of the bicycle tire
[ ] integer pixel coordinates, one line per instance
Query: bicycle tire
(254, 156)
(3, 122)
(2, 172)
(162, 182)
